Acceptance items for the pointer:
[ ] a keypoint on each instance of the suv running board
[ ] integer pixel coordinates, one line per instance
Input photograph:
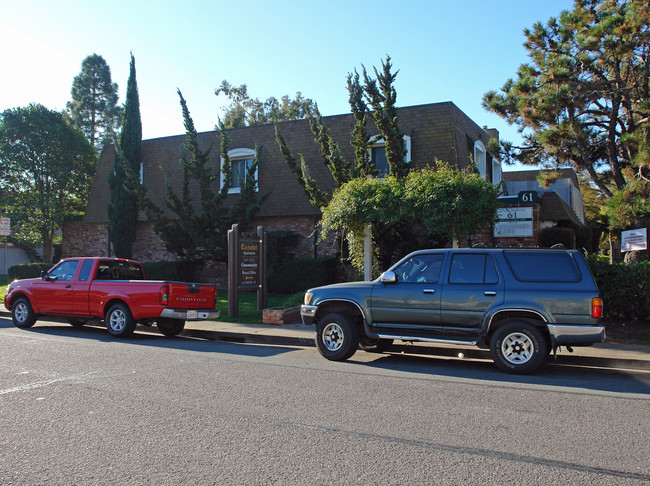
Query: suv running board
(427, 340)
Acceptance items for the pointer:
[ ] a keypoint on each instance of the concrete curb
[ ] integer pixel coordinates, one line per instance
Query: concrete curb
(605, 355)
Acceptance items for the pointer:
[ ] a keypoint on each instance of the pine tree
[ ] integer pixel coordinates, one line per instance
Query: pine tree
(93, 107)
(123, 206)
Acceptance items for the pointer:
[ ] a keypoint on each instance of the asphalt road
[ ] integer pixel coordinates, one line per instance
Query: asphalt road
(81, 407)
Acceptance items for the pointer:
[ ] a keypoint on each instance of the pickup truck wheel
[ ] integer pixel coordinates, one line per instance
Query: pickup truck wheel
(22, 313)
(337, 337)
(119, 321)
(370, 345)
(518, 347)
(170, 327)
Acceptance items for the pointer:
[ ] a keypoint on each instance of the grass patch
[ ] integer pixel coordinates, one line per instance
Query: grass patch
(4, 283)
(248, 312)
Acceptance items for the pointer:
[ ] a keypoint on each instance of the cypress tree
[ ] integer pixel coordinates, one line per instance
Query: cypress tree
(123, 206)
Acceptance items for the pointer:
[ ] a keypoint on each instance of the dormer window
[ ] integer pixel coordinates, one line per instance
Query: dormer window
(378, 154)
(241, 160)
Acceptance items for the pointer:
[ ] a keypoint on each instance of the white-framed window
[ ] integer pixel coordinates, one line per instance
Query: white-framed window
(378, 153)
(141, 172)
(480, 155)
(241, 160)
(496, 172)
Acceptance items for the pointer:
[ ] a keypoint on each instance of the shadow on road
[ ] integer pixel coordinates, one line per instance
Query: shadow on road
(147, 336)
(574, 376)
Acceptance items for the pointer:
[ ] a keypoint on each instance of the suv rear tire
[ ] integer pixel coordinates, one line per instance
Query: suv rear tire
(337, 336)
(518, 347)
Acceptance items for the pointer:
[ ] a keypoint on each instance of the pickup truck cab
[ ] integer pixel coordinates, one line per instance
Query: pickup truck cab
(521, 303)
(111, 289)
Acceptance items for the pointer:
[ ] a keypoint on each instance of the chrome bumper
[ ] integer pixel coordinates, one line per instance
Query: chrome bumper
(307, 313)
(576, 335)
(189, 315)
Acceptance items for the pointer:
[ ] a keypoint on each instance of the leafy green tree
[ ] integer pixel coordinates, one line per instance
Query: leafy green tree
(584, 98)
(197, 229)
(382, 100)
(246, 111)
(390, 238)
(123, 205)
(383, 97)
(93, 107)
(444, 201)
(46, 172)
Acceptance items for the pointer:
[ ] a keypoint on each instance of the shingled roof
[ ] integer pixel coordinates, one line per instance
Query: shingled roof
(438, 131)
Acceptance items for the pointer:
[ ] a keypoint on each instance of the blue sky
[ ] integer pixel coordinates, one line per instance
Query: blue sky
(453, 50)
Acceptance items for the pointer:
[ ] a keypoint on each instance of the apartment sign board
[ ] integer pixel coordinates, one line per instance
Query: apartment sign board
(634, 240)
(514, 223)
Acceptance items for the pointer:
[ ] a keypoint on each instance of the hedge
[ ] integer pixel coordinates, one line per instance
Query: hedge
(173, 271)
(178, 271)
(28, 270)
(625, 288)
(299, 275)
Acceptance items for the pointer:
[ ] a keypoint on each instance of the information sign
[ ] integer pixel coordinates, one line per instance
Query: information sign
(634, 240)
(513, 223)
(5, 226)
(249, 258)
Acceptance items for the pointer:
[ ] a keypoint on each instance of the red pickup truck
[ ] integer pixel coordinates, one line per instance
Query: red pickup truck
(111, 289)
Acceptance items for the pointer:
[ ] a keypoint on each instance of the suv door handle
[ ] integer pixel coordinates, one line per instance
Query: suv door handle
(490, 293)
(429, 291)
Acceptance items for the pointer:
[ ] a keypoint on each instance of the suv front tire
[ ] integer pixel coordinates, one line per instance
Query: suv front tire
(337, 336)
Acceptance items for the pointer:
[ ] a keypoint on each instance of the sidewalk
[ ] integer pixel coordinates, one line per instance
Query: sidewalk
(602, 355)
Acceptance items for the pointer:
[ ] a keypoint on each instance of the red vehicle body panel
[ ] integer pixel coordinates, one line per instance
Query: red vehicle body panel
(83, 294)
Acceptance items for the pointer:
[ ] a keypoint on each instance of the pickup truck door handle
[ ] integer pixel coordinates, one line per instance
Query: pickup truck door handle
(69, 286)
(490, 293)
(429, 291)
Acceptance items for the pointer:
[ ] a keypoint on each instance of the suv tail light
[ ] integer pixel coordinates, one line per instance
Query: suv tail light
(164, 295)
(596, 308)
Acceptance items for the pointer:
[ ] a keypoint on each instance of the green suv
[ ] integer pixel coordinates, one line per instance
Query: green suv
(522, 304)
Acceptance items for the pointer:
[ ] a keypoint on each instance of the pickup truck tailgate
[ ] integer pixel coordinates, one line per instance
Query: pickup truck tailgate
(191, 296)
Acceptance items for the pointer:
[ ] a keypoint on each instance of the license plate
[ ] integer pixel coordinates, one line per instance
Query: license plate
(192, 314)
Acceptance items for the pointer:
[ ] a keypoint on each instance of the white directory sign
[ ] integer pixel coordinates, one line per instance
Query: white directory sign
(514, 222)
(5, 226)
(634, 240)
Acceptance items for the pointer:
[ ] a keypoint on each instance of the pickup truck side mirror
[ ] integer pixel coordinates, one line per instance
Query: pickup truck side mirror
(43, 275)
(388, 278)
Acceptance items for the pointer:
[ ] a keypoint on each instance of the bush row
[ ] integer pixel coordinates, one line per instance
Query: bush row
(625, 288)
(299, 275)
(28, 270)
(289, 277)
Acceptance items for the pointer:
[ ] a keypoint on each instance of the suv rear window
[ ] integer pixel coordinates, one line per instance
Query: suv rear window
(541, 266)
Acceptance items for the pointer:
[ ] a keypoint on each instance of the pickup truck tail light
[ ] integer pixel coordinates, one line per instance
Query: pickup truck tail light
(596, 308)
(214, 304)
(164, 295)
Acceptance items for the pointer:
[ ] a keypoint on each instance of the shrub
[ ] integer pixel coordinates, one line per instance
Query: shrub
(551, 236)
(625, 288)
(282, 246)
(299, 275)
(28, 270)
(179, 271)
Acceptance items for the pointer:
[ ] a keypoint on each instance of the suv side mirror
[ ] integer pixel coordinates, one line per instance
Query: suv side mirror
(388, 278)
